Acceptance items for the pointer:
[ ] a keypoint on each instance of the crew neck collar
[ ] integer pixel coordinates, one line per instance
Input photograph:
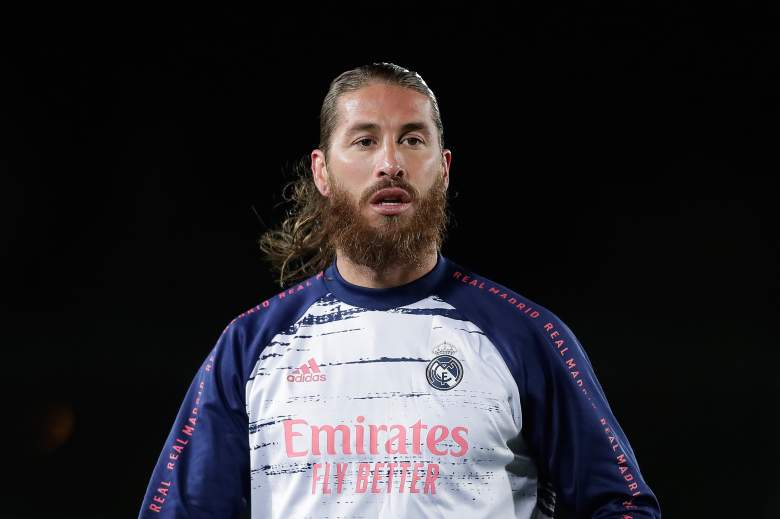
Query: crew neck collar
(385, 298)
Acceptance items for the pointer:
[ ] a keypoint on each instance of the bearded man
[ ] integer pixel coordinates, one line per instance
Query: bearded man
(385, 380)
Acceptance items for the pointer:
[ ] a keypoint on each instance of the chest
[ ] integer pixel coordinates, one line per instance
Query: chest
(346, 381)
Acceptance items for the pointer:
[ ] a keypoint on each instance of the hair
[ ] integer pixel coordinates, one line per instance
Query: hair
(300, 248)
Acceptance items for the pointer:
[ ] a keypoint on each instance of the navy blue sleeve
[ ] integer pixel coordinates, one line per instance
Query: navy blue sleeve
(567, 424)
(567, 421)
(203, 469)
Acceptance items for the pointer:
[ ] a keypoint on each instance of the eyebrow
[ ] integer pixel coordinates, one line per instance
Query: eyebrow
(373, 127)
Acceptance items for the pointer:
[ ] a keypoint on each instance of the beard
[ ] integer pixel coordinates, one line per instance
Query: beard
(402, 239)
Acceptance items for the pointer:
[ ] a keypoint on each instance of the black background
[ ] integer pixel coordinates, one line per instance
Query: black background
(611, 162)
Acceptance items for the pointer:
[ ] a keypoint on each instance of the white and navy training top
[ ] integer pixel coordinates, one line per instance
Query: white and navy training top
(451, 396)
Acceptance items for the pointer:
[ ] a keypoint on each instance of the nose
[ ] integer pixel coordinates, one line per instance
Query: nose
(389, 163)
(391, 170)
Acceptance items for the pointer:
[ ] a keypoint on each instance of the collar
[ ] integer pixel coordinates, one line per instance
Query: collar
(385, 298)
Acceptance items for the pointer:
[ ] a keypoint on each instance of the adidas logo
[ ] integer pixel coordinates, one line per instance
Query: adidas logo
(307, 372)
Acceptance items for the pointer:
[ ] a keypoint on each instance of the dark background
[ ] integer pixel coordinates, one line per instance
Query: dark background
(610, 162)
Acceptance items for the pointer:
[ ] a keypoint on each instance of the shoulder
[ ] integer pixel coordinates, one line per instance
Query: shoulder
(532, 339)
(495, 304)
(281, 309)
(516, 324)
(247, 334)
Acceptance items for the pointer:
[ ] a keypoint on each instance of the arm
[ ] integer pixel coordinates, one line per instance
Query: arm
(203, 469)
(578, 442)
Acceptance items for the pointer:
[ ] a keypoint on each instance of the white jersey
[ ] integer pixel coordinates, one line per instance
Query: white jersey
(449, 396)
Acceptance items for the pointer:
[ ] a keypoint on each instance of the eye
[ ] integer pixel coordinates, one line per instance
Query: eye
(365, 142)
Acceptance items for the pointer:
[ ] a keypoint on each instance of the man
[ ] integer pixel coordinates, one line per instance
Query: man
(388, 381)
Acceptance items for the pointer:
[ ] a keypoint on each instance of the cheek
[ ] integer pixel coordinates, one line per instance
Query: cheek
(436, 162)
(353, 162)
(434, 168)
(356, 181)
(351, 172)
(428, 167)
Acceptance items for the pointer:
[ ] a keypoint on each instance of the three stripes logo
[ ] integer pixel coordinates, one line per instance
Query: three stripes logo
(307, 372)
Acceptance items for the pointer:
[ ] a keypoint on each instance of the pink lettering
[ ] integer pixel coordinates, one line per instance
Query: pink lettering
(416, 428)
(330, 438)
(390, 470)
(400, 438)
(288, 437)
(430, 478)
(362, 478)
(434, 439)
(325, 487)
(341, 472)
(373, 432)
(416, 477)
(460, 440)
(404, 470)
(315, 477)
(374, 488)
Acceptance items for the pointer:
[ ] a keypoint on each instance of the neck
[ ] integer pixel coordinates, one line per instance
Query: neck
(392, 276)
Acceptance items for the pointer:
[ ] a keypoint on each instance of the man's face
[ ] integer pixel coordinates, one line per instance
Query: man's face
(385, 176)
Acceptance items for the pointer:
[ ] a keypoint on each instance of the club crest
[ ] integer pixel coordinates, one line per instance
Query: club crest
(444, 371)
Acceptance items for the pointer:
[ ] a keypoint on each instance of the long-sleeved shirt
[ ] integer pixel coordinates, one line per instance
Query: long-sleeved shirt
(451, 395)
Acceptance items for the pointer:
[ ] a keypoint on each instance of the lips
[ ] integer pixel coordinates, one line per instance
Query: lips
(390, 201)
(391, 194)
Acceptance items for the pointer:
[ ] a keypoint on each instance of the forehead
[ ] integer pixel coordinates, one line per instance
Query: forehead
(383, 104)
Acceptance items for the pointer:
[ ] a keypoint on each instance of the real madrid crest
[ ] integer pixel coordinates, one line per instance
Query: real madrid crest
(444, 371)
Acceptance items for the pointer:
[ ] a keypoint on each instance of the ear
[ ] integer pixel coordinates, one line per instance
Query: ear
(446, 156)
(320, 172)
